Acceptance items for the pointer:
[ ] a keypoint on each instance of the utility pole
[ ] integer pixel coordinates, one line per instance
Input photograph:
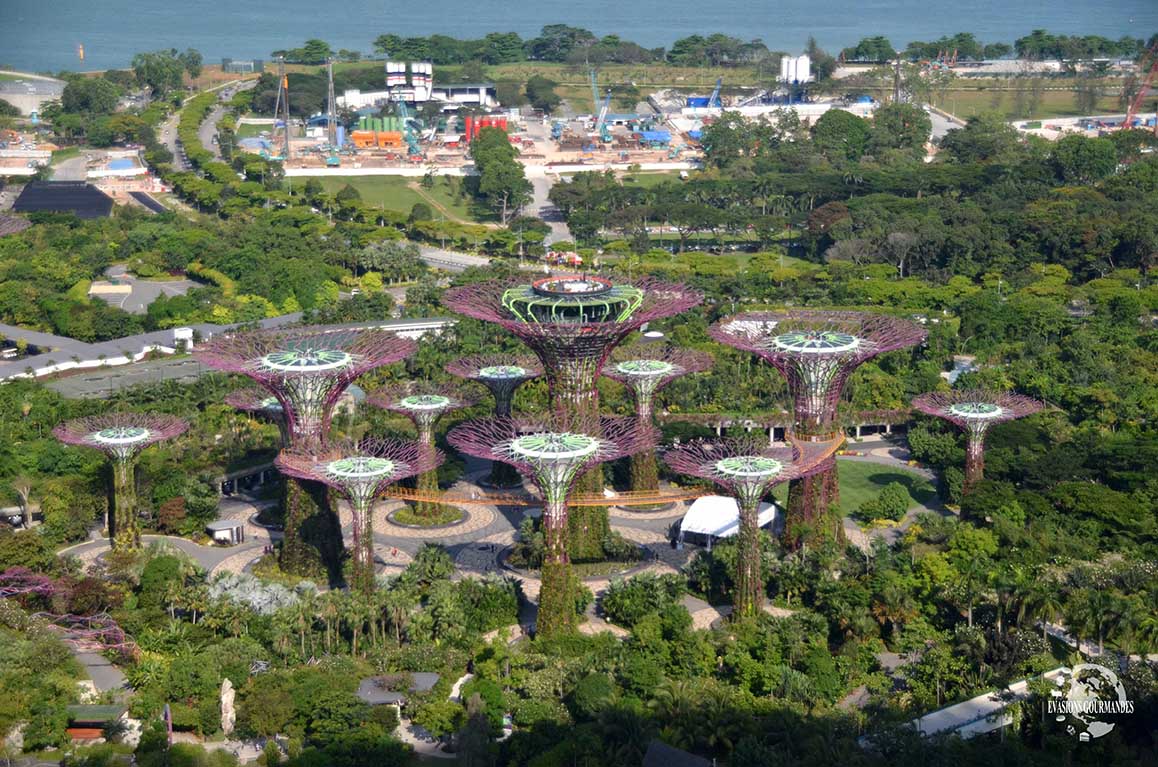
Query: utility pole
(331, 117)
(897, 80)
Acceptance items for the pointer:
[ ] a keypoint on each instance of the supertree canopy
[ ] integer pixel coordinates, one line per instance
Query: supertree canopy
(748, 469)
(572, 323)
(360, 471)
(645, 370)
(816, 352)
(259, 401)
(974, 411)
(502, 374)
(552, 453)
(423, 403)
(307, 370)
(122, 436)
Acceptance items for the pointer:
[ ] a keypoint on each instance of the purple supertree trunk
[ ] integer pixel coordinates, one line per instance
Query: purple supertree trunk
(975, 411)
(360, 471)
(748, 469)
(121, 436)
(424, 404)
(644, 370)
(553, 453)
(572, 323)
(502, 374)
(307, 370)
(816, 352)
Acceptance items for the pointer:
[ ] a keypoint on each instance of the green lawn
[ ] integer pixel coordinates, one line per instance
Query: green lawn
(965, 104)
(649, 178)
(861, 481)
(395, 193)
(249, 130)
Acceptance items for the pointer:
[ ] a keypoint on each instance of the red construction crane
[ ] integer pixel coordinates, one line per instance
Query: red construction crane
(1136, 104)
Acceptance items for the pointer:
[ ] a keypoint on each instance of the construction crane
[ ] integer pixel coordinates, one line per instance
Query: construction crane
(714, 101)
(1136, 104)
(281, 103)
(332, 161)
(601, 121)
(413, 148)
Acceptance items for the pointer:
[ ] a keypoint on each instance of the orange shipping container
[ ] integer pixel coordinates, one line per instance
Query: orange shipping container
(389, 139)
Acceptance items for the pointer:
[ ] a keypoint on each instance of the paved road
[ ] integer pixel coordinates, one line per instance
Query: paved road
(72, 169)
(449, 260)
(144, 292)
(941, 124)
(208, 131)
(541, 207)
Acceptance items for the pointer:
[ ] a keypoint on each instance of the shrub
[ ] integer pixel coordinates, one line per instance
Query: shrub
(155, 579)
(627, 601)
(892, 503)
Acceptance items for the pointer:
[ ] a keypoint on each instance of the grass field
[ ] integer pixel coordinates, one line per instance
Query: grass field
(861, 481)
(247, 130)
(397, 193)
(966, 103)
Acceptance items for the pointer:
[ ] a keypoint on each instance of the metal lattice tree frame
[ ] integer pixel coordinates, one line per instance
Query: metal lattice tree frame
(121, 436)
(360, 471)
(974, 411)
(424, 404)
(553, 453)
(307, 370)
(260, 402)
(816, 352)
(645, 370)
(572, 324)
(502, 374)
(747, 469)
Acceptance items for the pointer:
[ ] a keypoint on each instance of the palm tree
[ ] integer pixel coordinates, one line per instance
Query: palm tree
(894, 605)
(1043, 602)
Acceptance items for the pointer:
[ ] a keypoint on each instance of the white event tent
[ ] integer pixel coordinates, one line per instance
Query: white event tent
(718, 516)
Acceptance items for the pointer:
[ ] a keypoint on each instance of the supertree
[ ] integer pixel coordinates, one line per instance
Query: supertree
(121, 436)
(974, 411)
(307, 370)
(552, 453)
(816, 352)
(645, 370)
(572, 323)
(259, 401)
(423, 403)
(502, 374)
(748, 469)
(360, 471)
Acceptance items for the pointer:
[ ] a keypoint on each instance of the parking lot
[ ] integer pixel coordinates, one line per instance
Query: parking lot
(101, 383)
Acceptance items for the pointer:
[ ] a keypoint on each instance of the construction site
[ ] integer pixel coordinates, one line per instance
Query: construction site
(395, 131)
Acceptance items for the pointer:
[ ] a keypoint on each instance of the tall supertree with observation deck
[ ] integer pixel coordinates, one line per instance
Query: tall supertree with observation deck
(747, 469)
(816, 352)
(572, 323)
(553, 453)
(645, 370)
(307, 371)
(424, 404)
(122, 437)
(974, 411)
(360, 471)
(502, 374)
